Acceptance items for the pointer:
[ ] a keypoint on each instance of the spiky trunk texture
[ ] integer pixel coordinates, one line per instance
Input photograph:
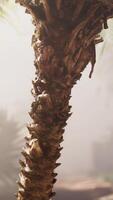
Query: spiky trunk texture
(64, 43)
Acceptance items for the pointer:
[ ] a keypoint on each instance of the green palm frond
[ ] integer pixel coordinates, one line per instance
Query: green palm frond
(9, 13)
(7, 9)
(5, 6)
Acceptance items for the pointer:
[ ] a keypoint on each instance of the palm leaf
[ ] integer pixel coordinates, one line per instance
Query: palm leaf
(9, 13)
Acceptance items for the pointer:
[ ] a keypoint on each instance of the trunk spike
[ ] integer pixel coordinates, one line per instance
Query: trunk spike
(22, 163)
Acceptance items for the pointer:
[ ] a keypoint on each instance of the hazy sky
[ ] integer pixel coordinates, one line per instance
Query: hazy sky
(92, 100)
(16, 61)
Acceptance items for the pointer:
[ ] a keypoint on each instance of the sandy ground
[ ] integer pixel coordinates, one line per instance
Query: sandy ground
(109, 197)
(85, 190)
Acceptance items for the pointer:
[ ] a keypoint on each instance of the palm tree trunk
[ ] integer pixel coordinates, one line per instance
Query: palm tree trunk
(64, 43)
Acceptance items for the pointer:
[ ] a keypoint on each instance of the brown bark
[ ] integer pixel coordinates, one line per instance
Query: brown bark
(64, 43)
(107, 2)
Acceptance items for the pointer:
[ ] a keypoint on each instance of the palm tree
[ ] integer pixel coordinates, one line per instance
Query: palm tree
(9, 150)
(9, 130)
(66, 33)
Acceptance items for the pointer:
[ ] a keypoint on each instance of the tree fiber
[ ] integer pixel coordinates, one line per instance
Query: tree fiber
(66, 32)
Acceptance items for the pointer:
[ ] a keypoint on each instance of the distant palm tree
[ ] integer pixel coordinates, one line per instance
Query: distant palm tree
(64, 43)
(9, 151)
(9, 130)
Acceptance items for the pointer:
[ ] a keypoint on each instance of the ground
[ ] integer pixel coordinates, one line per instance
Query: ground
(90, 189)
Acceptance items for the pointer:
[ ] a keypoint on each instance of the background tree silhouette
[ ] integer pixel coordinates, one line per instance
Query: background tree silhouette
(9, 151)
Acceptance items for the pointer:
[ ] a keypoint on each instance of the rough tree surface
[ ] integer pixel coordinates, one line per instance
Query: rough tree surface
(66, 32)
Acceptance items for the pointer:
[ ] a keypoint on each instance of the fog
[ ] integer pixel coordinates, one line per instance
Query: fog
(92, 99)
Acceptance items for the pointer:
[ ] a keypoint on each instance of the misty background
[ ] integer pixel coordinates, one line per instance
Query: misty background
(91, 124)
